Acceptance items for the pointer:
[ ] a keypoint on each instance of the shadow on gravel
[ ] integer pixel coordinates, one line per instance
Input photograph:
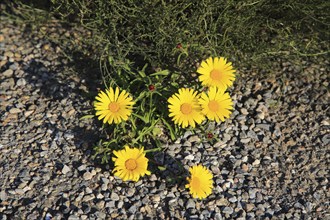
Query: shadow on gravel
(53, 80)
(73, 76)
(66, 81)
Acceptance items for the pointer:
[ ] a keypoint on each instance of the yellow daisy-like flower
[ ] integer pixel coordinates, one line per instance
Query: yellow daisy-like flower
(184, 108)
(130, 163)
(113, 106)
(200, 183)
(216, 104)
(216, 72)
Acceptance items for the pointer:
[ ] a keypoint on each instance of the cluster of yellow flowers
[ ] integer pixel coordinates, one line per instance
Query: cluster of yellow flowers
(186, 107)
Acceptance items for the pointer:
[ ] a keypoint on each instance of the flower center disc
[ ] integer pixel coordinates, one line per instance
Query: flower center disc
(113, 107)
(213, 106)
(195, 182)
(130, 164)
(215, 74)
(186, 108)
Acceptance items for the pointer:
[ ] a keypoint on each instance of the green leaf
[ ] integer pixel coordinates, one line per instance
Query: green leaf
(156, 131)
(161, 73)
(179, 58)
(141, 96)
(158, 143)
(142, 74)
(144, 119)
(161, 168)
(86, 117)
(172, 133)
(144, 67)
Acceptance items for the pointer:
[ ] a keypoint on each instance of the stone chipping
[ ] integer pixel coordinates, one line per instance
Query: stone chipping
(271, 160)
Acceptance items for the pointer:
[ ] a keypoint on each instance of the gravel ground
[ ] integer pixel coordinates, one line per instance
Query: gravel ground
(271, 161)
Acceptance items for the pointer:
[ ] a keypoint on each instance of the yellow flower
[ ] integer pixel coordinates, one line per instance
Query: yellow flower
(184, 108)
(216, 104)
(112, 106)
(130, 163)
(216, 72)
(200, 183)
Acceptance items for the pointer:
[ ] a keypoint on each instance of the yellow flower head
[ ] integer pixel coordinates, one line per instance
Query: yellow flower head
(130, 164)
(216, 104)
(184, 108)
(113, 106)
(200, 183)
(216, 72)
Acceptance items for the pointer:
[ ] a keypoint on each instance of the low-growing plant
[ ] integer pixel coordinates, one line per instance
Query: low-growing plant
(144, 112)
(150, 31)
(142, 109)
(255, 33)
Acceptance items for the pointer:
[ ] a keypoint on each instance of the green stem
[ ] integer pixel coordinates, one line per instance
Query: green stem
(150, 105)
(153, 150)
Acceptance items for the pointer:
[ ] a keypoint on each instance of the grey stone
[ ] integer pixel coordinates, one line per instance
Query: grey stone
(3, 195)
(130, 192)
(110, 204)
(249, 207)
(48, 216)
(100, 196)
(105, 180)
(193, 139)
(244, 128)
(104, 187)
(228, 210)
(88, 197)
(263, 126)
(189, 157)
(309, 206)
(14, 66)
(84, 217)
(66, 169)
(190, 204)
(9, 54)
(261, 115)
(252, 193)
(256, 162)
(120, 204)
(88, 175)
(270, 212)
(8, 73)
(232, 199)
(15, 110)
(82, 167)
(251, 134)
(100, 215)
(114, 196)
(326, 139)
(73, 217)
(21, 82)
(317, 196)
(8, 83)
(100, 205)
(88, 190)
(244, 111)
(245, 140)
(226, 137)
(132, 209)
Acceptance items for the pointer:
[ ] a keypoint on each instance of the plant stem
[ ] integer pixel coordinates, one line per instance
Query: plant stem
(153, 150)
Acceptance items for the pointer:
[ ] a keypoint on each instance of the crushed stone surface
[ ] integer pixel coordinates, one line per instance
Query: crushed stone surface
(271, 160)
